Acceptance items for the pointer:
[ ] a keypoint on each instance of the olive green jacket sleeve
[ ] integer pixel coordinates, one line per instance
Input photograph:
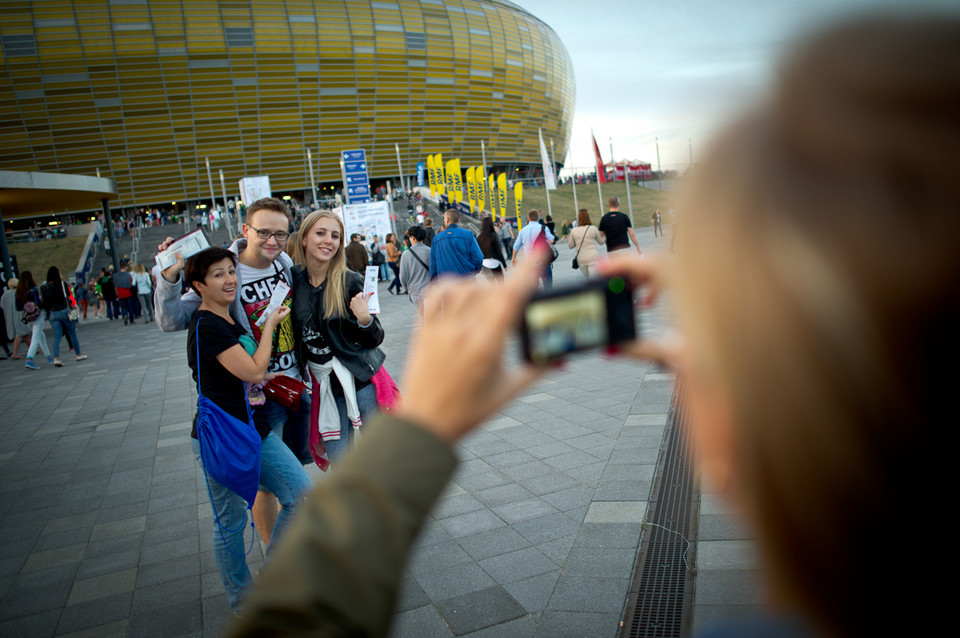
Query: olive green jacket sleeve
(337, 569)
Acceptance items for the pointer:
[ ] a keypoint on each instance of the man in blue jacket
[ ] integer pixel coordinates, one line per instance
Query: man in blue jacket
(455, 250)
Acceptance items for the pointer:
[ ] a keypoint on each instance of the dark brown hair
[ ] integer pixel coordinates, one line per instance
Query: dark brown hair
(198, 265)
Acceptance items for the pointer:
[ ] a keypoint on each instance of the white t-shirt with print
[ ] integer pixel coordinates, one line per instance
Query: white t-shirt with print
(256, 288)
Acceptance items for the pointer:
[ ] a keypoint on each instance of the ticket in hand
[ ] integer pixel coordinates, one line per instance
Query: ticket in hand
(186, 246)
(276, 300)
(370, 285)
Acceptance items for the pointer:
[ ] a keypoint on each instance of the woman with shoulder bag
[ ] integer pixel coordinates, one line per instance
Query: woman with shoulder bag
(337, 337)
(585, 238)
(33, 314)
(57, 301)
(220, 362)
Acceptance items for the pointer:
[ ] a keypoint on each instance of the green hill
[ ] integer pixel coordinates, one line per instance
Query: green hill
(38, 256)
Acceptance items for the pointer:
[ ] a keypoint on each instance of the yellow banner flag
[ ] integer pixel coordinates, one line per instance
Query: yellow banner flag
(449, 182)
(481, 189)
(502, 194)
(492, 191)
(457, 180)
(439, 177)
(518, 198)
(430, 176)
(471, 190)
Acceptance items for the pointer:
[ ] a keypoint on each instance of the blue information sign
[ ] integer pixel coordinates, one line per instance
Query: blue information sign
(357, 181)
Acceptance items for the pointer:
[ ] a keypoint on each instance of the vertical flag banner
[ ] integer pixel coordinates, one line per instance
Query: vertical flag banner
(430, 175)
(492, 190)
(601, 172)
(420, 170)
(481, 189)
(440, 177)
(449, 182)
(518, 197)
(549, 179)
(471, 190)
(502, 194)
(457, 180)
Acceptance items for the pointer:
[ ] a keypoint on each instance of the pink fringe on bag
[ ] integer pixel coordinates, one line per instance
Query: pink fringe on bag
(317, 451)
(388, 394)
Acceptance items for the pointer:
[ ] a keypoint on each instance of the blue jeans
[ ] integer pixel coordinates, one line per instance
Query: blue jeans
(60, 322)
(37, 338)
(281, 475)
(367, 403)
(292, 427)
(384, 271)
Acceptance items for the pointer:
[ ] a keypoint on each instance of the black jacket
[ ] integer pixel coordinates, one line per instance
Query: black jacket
(355, 347)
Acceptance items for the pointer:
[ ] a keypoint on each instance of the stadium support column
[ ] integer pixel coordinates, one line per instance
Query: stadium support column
(4, 253)
(112, 236)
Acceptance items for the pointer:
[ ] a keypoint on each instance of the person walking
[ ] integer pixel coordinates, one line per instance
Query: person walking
(30, 305)
(144, 283)
(617, 229)
(585, 238)
(56, 299)
(16, 329)
(123, 282)
(80, 294)
(506, 234)
(109, 293)
(415, 266)
(454, 250)
(535, 235)
(657, 228)
(393, 260)
(494, 263)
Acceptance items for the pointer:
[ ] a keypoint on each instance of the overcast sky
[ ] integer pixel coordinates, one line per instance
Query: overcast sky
(674, 69)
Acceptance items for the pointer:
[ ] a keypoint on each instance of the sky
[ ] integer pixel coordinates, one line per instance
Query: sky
(675, 70)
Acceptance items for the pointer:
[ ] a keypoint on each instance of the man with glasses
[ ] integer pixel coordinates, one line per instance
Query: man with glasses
(262, 264)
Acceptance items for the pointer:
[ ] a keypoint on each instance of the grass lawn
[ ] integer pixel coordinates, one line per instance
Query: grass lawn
(37, 256)
(644, 201)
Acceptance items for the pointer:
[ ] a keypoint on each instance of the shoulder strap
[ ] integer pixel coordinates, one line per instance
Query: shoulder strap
(417, 257)
(585, 229)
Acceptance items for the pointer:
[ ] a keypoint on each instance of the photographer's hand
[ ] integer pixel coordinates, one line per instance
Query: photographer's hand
(650, 273)
(454, 376)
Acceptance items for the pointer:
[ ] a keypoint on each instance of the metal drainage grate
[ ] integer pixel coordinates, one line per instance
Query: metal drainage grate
(659, 601)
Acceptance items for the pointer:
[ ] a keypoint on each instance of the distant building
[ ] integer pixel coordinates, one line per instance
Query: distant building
(144, 91)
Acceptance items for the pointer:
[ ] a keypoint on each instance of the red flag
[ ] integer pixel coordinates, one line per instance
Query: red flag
(601, 171)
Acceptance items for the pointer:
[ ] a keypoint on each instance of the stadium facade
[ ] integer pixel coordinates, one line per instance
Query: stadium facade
(145, 90)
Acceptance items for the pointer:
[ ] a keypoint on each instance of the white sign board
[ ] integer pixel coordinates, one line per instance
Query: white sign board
(254, 188)
(369, 219)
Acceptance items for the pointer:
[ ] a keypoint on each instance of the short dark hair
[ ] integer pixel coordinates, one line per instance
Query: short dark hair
(429, 221)
(198, 265)
(354, 236)
(266, 203)
(452, 214)
(613, 202)
(533, 215)
(417, 233)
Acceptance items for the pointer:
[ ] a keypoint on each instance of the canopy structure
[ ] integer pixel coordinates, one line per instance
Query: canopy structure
(29, 194)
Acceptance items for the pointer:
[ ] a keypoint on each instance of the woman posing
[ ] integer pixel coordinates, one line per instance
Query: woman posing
(16, 329)
(27, 292)
(220, 365)
(585, 238)
(493, 262)
(393, 260)
(337, 336)
(56, 300)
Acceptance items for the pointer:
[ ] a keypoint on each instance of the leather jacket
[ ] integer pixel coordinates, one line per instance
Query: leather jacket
(355, 347)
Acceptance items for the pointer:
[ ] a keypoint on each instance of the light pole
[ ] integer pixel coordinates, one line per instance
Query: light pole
(659, 172)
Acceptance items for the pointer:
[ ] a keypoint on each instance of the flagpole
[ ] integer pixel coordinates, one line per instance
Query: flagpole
(483, 156)
(659, 172)
(400, 167)
(600, 167)
(545, 186)
(626, 180)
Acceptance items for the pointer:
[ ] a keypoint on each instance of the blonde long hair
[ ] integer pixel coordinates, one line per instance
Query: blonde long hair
(335, 293)
(818, 278)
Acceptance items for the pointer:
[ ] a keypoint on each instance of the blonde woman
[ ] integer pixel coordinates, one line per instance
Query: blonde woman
(585, 239)
(337, 337)
(144, 283)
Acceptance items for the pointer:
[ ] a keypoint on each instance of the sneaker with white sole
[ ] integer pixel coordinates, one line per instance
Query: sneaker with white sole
(30, 365)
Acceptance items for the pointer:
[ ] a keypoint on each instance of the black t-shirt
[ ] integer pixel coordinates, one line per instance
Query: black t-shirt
(216, 382)
(614, 225)
(315, 344)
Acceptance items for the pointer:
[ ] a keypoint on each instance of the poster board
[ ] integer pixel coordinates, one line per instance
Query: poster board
(369, 219)
(254, 188)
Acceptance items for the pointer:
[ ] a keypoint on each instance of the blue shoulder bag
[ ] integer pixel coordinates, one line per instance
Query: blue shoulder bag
(229, 448)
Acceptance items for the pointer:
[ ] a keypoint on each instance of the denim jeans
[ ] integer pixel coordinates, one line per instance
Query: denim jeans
(281, 475)
(60, 322)
(38, 339)
(292, 427)
(367, 404)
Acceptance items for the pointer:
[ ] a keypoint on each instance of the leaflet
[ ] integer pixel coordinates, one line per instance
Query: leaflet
(186, 246)
(276, 300)
(370, 286)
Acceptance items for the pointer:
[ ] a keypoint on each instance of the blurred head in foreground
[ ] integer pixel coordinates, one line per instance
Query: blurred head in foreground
(820, 285)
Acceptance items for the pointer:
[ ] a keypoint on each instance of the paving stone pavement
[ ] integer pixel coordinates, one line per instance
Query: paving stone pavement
(107, 530)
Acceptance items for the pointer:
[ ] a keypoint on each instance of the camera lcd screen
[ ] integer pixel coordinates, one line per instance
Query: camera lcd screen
(560, 325)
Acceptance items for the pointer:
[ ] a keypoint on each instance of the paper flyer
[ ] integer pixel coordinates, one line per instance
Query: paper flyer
(186, 246)
(276, 300)
(370, 285)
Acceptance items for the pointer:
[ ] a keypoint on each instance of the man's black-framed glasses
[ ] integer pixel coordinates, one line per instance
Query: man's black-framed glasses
(265, 235)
